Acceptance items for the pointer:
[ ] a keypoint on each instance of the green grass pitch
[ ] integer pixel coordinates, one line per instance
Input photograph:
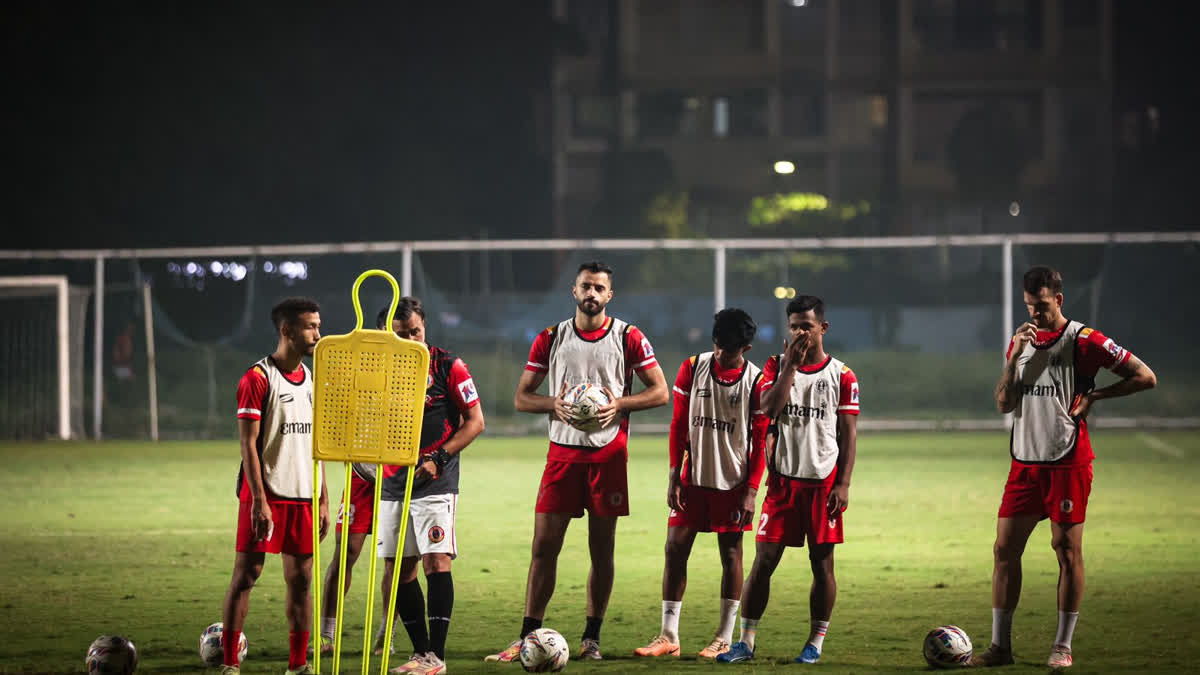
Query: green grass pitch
(137, 539)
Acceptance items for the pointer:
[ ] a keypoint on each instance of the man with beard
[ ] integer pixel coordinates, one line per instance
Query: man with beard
(275, 482)
(1048, 385)
(585, 470)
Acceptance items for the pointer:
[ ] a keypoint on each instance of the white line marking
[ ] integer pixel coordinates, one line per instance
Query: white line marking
(127, 533)
(1160, 445)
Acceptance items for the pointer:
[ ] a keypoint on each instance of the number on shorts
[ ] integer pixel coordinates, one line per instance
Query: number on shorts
(762, 525)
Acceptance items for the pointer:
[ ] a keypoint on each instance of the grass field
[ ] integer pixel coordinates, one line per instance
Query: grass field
(137, 539)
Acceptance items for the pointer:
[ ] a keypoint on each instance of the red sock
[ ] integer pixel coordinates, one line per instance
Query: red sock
(229, 643)
(297, 649)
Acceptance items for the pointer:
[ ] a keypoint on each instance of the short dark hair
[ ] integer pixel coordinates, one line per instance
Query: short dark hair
(595, 267)
(407, 306)
(733, 328)
(1042, 276)
(802, 303)
(289, 310)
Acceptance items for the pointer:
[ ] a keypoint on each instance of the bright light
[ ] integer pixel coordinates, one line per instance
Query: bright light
(1014, 209)
(268, 267)
(791, 292)
(799, 3)
(215, 267)
(237, 271)
(780, 292)
(191, 268)
(784, 167)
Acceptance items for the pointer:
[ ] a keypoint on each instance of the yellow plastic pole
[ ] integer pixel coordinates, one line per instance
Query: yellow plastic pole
(391, 602)
(343, 543)
(316, 634)
(367, 635)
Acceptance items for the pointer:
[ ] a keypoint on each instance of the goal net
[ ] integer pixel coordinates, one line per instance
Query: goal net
(41, 357)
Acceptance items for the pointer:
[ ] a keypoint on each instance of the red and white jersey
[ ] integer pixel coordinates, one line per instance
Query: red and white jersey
(1052, 372)
(609, 356)
(283, 404)
(806, 435)
(715, 415)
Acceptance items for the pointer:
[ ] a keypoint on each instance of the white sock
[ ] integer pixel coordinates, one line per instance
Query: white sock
(1002, 628)
(328, 626)
(670, 619)
(816, 636)
(729, 610)
(1066, 628)
(749, 631)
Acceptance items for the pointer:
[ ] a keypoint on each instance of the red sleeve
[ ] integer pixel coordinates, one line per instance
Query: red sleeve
(848, 397)
(758, 437)
(1008, 352)
(1098, 351)
(679, 418)
(462, 387)
(539, 352)
(769, 373)
(252, 388)
(638, 351)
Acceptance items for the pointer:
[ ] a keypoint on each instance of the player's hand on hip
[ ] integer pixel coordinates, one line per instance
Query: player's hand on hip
(260, 520)
(606, 414)
(839, 499)
(323, 519)
(1081, 405)
(1026, 334)
(564, 411)
(426, 469)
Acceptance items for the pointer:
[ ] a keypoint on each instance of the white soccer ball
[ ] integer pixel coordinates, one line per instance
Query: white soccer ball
(111, 655)
(947, 647)
(586, 400)
(212, 650)
(544, 651)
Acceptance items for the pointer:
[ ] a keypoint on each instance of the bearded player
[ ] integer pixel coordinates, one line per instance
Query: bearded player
(585, 470)
(275, 482)
(1048, 385)
(812, 399)
(716, 449)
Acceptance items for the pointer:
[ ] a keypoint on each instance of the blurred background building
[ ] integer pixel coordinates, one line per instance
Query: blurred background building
(939, 115)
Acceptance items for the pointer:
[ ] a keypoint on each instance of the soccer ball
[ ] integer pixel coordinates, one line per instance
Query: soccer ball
(111, 655)
(212, 651)
(947, 647)
(586, 400)
(544, 651)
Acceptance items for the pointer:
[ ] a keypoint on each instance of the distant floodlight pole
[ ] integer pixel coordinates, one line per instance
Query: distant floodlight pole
(98, 351)
(719, 277)
(1006, 268)
(151, 359)
(406, 269)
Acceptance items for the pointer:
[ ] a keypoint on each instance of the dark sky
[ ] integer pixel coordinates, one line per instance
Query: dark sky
(210, 123)
(159, 123)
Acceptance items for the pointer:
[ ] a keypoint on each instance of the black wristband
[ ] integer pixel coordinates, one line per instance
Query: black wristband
(440, 458)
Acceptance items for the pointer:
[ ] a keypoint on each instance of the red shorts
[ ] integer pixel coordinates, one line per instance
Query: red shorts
(572, 487)
(292, 530)
(711, 510)
(1058, 492)
(797, 508)
(362, 505)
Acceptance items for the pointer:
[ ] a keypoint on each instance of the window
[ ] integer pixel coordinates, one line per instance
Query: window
(748, 113)
(978, 25)
(660, 114)
(592, 115)
(803, 114)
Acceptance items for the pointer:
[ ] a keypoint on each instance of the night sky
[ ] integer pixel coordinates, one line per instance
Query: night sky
(151, 124)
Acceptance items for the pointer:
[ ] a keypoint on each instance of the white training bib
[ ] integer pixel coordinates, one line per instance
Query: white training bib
(719, 426)
(575, 360)
(806, 429)
(1043, 429)
(285, 434)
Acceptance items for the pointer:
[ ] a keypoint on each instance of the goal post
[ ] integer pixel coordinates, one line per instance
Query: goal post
(24, 329)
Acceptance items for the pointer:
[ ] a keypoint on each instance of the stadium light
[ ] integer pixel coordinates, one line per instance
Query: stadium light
(784, 167)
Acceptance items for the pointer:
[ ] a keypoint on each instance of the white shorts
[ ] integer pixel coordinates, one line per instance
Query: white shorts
(430, 527)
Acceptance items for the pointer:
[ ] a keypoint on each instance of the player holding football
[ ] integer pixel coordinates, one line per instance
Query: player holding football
(274, 485)
(585, 470)
(717, 462)
(812, 399)
(453, 418)
(1048, 384)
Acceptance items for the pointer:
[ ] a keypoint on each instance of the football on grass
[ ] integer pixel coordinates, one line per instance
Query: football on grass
(212, 649)
(544, 651)
(947, 647)
(111, 655)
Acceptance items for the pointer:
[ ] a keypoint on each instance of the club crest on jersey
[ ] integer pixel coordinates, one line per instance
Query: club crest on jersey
(429, 380)
(436, 535)
(735, 398)
(616, 498)
(286, 398)
(1055, 361)
(1066, 506)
